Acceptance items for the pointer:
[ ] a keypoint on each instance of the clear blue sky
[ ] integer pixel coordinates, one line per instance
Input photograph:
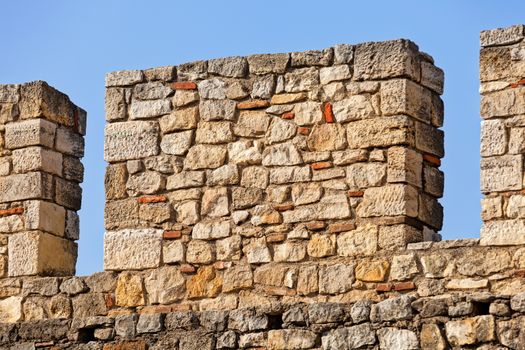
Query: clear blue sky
(72, 44)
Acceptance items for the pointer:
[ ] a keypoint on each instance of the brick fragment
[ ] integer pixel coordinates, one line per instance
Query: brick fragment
(184, 85)
(315, 225)
(341, 227)
(383, 287)
(12, 211)
(303, 130)
(187, 268)
(275, 237)
(432, 160)
(109, 300)
(322, 165)
(219, 265)
(356, 193)
(519, 273)
(404, 286)
(328, 114)
(283, 207)
(288, 115)
(518, 83)
(152, 199)
(253, 104)
(172, 234)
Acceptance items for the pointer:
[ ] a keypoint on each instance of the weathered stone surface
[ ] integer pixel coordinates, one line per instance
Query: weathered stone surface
(217, 110)
(164, 285)
(251, 123)
(199, 252)
(291, 339)
(235, 67)
(470, 330)
(132, 249)
(185, 179)
(403, 267)
(229, 248)
(215, 202)
(130, 140)
(502, 36)
(393, 338)
(336, 279)
(268, 63)
(372, 271)
(177, 143)
(335, 73)
(386, 59)
(149, 109)
(281, 154)
(280, 130)
(501, 173)
(204, 284)
(503, 232)
(503, 103)
(129, 291)
(35, 132)
(321, 245)
(180, 119)
(303, 79)
(312, 58)
(364, 175)
(390, 200)
(214, 89)
(307, 113)
(263, 87)
(289, 251)
(380, 132)
(361, 241)
(330, 207)
(148, 182)
(205, 157)
(494, 138)
(392, 309)
(354, 107)
(211, 230)
(349, 338)
(124, 77)
(237, 277)
(11, 309)
(245, 152)
(327, 137)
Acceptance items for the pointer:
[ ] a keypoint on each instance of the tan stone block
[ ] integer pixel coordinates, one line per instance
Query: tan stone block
(437, 265)
(503, 232)
(494, 138)
(307, 280)
(402, 96)
(390, 200)
(467, 283)
(205, 157)
(403, 268)
(30, 133)
(121, 213)
(11, 309)
(431, 337)
(471, 330)
(321, 245)
(132, 249)
(364, 175)
(180, 119)
(405, 165)
(39, 253)
(115, 181)
(284, 339)
(503, 103)
(381, 132)
(251, 124)
(37, 158)
(372, 271)
(45, 216)
(206, 283)
(164, 285)
(200, 252)
(129, 291)
(215, 202)
(289, 251)
(237, 277)
(336, 279)
(35, 185)
(327, 137)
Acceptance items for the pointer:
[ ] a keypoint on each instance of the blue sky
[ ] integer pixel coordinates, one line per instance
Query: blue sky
(72, 44)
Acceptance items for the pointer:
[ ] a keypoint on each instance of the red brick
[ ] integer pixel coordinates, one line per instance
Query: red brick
(253, 104)
(315, 225)
(187, 268)
(283, 207)
(152, 199)
(341, 227)
(356, 193)
(433, 160)
(383, 287)
(110, 301)
(519, 273)
(219, 265)
(12, 211)
(184, 85)
(404, 286)
(518, 83)
(303, 130)
(322, 165)
(288, 115)
(172, 234)
(328, 114)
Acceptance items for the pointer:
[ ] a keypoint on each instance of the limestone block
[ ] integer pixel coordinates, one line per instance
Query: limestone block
(390, 200)
(73, 169)
(312, 58)
(37, 158)
(11, 309)
(335, 73)
(308, 113)
(215, 202)
(214, 132)
(437, 265)
(432, 77)
(257, 251)
(151, 91)
(470, 330)
(388, 59)
(502, 173)
(185, 179)
(34, 132)
(502, 36)
(255, 176)
(290, 174)
(349, 156)
(263, 87)
(281, 154)
(394, 338)
(500, 63)
(245, 152)
(130, 140)
(211, 230)
(217, 110)
(214, 89)
(26, 186)
(200, 252)
(124, 77)
(430, 211)
(359, 242)
(280, 130)
(237, 277)
(517, 141)
(354, 107)
(284, 339)
(306, 193)
(121, 213)
(303, 79)
(180, 119)
(115, 181)
(372, 271)
(11, 223)
(321, 245)
(68, 194)
(177, 143)
(9, 93)
(115, 104)
(205, 157)
(336, 279)
(503, 232)
(192, 70)
(349, 337)
(45, 216)
(132, 249)
(289, 252)
(330, 207)
(402, 96)
(130, 290)
(403, 267)
(234, 67)
(251, 123)
(381, 132)
(69, 142)
(364, 175)
(405, 165)
(268, 63)
(434, 181)
(327, 137)
(164, 285)
(72, 230)
(229, 248)
(343, 53)
(503, 103)
(184, 97)
(39, 253)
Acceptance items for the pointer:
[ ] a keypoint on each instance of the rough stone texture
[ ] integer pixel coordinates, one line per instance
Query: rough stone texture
(132, 249)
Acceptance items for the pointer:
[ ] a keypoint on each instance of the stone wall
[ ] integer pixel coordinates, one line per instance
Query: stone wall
(222, 168)
(41, 143)
(334, 155)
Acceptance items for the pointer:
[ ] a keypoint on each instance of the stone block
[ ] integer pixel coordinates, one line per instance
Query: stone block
(364, 175)
(153, 90)
(503, 232)
(381, 132)
(132, 249)
(39, 253)
(37, 158)
(389, 200)
(388, 59)
(312, 58)
(180, 119)
(430, 140)
(503, 103)
(69, 142)
(124, 77)
(205, 157)
(336, 279)
(45, 216)
(327, 137)
(284, 339)
(470, 330)
(402, 96)
(34, 185)
(299, 80)
(502, 173)
(217, 110)
(233, 67)
(502, 36)
(68, 194)
(34, 132)
(405, 165)
(349, 337)
(131, 140)
(164, 285)
(268, 63)
(399, 339)
(359, 242)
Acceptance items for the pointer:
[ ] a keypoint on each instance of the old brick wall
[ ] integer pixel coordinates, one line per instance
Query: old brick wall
(290, 202)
